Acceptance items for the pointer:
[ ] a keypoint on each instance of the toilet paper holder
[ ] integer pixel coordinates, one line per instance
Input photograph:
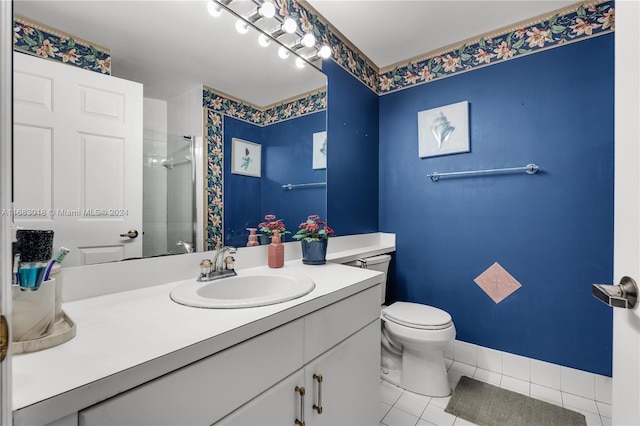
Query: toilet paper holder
(623, 295)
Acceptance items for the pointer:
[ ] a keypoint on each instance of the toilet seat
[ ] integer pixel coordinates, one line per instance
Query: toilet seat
(416, 315)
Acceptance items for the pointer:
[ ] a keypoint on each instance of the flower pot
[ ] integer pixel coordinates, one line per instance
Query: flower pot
(265, 240)
(314, 252)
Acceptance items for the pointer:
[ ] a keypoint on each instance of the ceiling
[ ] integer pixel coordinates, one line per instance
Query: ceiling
(172, 46)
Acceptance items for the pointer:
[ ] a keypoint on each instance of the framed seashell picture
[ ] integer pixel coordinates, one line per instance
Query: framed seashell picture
(443, 130)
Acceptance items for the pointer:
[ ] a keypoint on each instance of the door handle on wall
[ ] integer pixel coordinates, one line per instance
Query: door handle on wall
(131, 234)
(623, 295)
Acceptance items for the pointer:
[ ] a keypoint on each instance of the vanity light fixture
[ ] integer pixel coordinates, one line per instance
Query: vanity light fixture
(264, 40)
(283, 52)
(265, 10)
(323, 53)
(300, 62)
(308, 40)
(214, 8)
(289, 26)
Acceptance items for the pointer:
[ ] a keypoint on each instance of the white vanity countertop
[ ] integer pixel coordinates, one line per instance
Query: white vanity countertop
(125, 339)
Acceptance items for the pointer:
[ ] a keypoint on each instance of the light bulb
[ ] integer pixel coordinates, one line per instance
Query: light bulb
(267, 10)
(300, 62)
(283, 53)
(325, 52)
(308, 40)
(263, 40)
(214, 9)
(290, 26)
(241, 26)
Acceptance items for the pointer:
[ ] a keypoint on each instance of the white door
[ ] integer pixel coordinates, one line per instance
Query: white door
(626, 322)
(78, 158)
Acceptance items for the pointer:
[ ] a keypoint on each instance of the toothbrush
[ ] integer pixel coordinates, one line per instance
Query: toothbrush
(57, 258)
(16, 265)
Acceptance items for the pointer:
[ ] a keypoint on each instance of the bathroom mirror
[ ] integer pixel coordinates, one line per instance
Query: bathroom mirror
(175, 48)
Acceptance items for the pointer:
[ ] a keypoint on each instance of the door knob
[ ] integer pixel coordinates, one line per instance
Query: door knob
(131, 234)
(623, 295)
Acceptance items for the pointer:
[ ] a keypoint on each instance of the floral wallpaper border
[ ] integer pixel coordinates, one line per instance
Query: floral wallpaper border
(214, 179)
(571, 24)
(584, 22)
(216, 106)
(39, 40)
(307, 103)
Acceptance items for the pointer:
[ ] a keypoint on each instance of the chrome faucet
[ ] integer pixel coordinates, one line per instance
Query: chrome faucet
(187, 246)
(222, 266)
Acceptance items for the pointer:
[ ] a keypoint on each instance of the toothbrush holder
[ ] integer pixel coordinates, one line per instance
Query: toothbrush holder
(33, 312)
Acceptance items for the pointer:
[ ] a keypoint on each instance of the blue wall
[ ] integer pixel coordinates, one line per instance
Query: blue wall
(352, 164)
(286, 158)
(552, 231)
(242, 194)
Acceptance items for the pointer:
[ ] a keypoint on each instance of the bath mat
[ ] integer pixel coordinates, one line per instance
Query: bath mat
(488, 405)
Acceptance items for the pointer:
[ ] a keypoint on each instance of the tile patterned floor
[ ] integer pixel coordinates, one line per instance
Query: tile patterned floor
(403, 408)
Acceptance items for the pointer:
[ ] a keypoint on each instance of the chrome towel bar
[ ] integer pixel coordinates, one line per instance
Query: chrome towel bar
(529, 168)
(291, 186)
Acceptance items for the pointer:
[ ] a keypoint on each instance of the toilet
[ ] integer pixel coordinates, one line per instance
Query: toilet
(413, 340)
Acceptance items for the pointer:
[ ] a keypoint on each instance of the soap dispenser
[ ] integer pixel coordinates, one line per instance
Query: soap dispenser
(276, 251)
(253, 238)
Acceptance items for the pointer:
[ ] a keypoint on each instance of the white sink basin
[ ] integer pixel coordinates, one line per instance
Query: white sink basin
(242, 291)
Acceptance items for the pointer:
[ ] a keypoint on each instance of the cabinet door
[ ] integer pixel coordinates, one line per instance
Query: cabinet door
(350, 386)
(278, 406)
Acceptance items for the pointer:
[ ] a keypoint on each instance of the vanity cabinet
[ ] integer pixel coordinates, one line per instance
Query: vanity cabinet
(341, 387)
(342, 383)
(209, 389)
(254, 382)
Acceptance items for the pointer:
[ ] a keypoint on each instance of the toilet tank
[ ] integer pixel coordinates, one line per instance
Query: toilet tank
(376, 263)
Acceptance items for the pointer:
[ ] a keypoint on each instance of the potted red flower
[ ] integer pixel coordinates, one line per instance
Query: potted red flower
(267, 227)
(314, 235)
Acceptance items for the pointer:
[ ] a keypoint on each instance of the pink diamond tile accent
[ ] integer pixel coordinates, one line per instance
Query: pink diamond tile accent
(497, 282)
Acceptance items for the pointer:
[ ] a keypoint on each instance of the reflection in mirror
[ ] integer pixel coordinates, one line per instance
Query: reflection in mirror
(196, 93)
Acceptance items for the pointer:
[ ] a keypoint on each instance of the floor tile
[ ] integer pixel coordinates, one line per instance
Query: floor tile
(411, 404)
(389, 393)
(436, 415)
(462, 422)
(440, 402)
(384, 409)
(399, 407)
(396, 417)
(593, 419)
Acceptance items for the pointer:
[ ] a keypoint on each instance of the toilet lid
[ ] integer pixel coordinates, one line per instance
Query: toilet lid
(416, 315)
